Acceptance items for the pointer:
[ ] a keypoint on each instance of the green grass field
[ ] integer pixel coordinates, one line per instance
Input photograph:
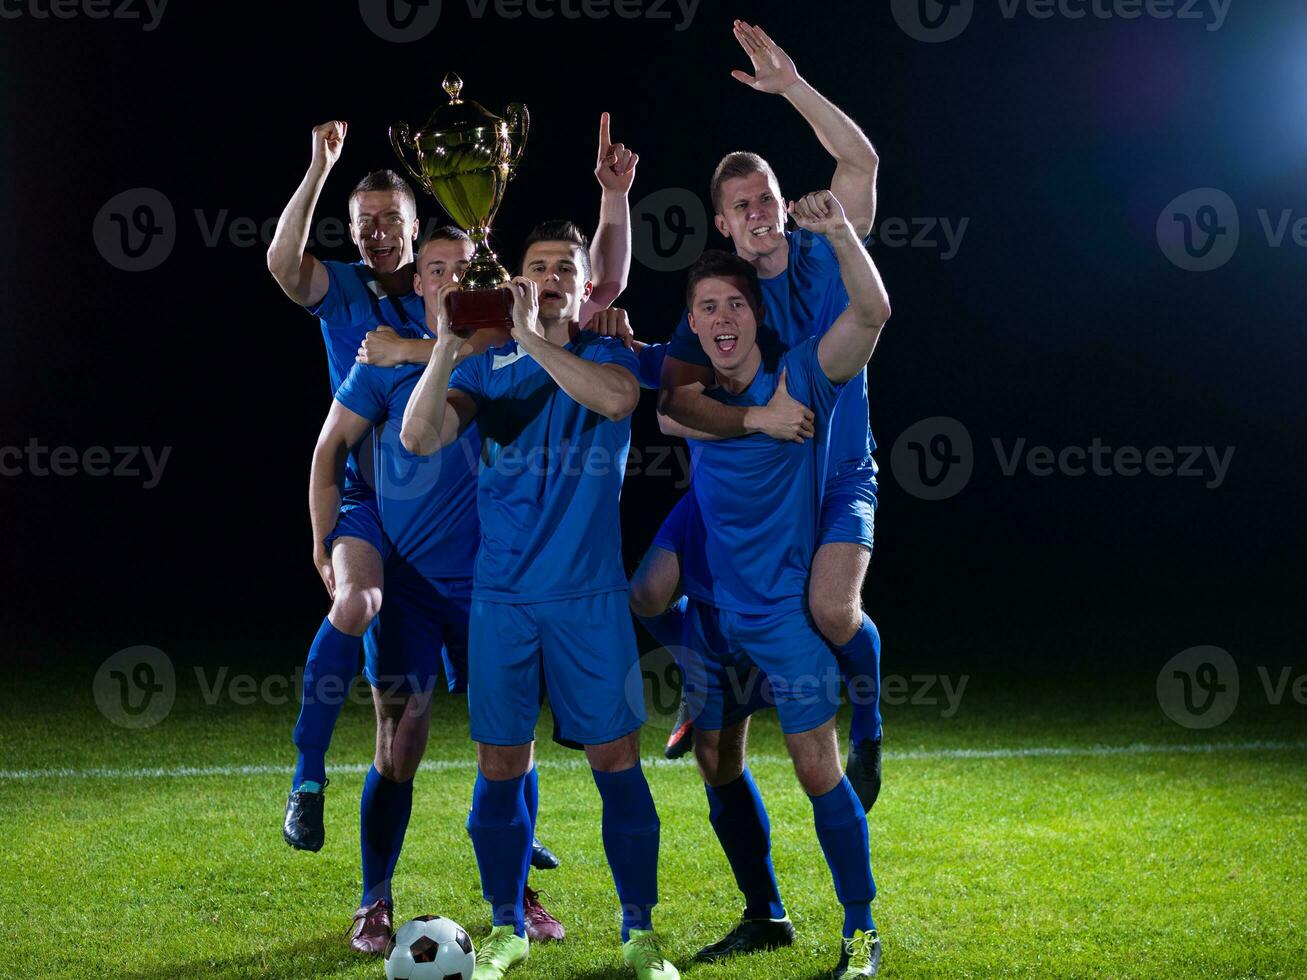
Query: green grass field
(1139, 848)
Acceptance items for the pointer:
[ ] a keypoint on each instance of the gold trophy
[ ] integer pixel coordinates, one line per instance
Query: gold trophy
(466, 157)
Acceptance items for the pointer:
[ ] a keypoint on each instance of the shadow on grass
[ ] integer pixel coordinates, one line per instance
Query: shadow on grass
(327, 953)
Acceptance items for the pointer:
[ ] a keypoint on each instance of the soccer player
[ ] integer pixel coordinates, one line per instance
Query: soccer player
(760, 500)
(369, 312)
(427, 507)
(549, 593)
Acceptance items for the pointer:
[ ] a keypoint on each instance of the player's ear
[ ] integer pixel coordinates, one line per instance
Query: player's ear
(417, 284)
(720, 222)
(689, 316)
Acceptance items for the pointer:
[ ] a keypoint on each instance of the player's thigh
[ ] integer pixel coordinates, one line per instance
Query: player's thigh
(656, 582)
(592, 667)
(503, 691)
(816, 757)
(455, 621)
(721, 754)
(359, 575)
(835, 589)
(801, 677)
(409, 634)
(721, 686)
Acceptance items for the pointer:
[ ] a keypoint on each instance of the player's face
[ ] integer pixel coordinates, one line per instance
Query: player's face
(752, 215)
(725, 320)
(441, 261)
(556, 269)
(383, 226)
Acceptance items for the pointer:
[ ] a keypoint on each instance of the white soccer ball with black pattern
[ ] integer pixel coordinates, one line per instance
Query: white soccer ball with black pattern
(430, 948)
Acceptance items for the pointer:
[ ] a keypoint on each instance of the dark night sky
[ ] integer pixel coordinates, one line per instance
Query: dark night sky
(1059, 320)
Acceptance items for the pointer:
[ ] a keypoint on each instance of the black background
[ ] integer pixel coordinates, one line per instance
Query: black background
(1059, 320)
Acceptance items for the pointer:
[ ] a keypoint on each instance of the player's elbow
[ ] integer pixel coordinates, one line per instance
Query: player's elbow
(623, 401)
(416, 441)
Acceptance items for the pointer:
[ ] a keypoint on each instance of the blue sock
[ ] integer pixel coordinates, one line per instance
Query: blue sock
(667, 628)
(737, 813)
(842, 832)
(333, 662)
(859, 661)
(500, 825)
(531, 793)
(630, 831)
(383, 819)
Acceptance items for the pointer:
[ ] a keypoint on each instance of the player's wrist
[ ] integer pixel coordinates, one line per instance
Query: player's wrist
(755, 418)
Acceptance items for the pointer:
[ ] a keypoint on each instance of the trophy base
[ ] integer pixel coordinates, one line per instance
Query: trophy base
(474, 310)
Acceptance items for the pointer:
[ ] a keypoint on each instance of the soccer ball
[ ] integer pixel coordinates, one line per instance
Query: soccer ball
(430, 948)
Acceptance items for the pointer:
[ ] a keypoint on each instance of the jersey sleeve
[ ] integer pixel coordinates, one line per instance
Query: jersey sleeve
(610, 350)
(333, 305)
(651, 358)
(364, 391)
(807, 382)
(685, 346)
(469, 377)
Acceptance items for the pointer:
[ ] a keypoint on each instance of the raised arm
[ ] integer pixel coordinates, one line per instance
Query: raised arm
(342, 431)
(856, 162)
(846, 347)
(435, 416)
(610, 252)
(607, 389)
(300, 276)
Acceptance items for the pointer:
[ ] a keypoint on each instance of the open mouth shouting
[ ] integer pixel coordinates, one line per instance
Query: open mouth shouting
(725, 342)
(763, 231)
(551, 296)
(381, 253)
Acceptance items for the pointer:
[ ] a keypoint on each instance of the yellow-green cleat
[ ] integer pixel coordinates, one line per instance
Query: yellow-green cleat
(499, 952)
(860, 956)
(642, 954)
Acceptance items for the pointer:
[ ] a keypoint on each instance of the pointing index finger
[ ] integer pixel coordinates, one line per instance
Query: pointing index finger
(604, 139)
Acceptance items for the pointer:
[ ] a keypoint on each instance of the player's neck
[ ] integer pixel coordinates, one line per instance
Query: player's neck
(559, 330)
(740, 377)
(771, 265)
(399, 282)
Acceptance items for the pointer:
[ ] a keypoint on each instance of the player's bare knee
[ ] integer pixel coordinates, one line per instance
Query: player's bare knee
(647, 600)
(616, 756)
(354, 608)
(836, 616)
(501, 762)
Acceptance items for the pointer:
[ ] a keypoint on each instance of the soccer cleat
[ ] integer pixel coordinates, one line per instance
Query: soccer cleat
(541, 927)
(642, 954)
(372, 928)
(749, 936)
(681, 740)
(863, 770)
(502, 950)
(302, 825)
(542, 858)
(860, 956)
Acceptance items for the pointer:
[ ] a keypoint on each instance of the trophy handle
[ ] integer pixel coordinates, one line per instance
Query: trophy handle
(519, 123)
(400, 140)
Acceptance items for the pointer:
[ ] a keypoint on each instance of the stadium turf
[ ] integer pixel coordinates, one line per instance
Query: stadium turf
(1048, 828)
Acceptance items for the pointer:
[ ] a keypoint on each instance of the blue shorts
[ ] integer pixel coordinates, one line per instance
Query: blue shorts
(422, 623)
(848, 507)
(359, 517)
(583, 649)
(734, 664)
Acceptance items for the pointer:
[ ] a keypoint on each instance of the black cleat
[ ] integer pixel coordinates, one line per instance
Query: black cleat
(859, 956)
(863, 770)
(302, 827)
(750, 936)
(681, 740)
(542, 858)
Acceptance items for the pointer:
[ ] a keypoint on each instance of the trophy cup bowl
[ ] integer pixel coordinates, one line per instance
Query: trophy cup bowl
(466, 157)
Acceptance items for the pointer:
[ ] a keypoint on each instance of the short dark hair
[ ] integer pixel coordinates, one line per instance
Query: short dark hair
(716, 264)
(442, 233)
(560, 231)
(385, 180)
(741, 163)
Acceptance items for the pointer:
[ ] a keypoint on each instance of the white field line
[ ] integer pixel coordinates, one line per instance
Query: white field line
(578, 762)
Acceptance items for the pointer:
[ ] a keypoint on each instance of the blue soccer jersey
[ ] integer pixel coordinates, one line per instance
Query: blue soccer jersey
(354, 304)
(427, 503)
(551, 477)
(760, 498)
(803, 302)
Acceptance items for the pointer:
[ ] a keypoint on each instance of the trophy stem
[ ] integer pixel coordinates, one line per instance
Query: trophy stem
(484, 270)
